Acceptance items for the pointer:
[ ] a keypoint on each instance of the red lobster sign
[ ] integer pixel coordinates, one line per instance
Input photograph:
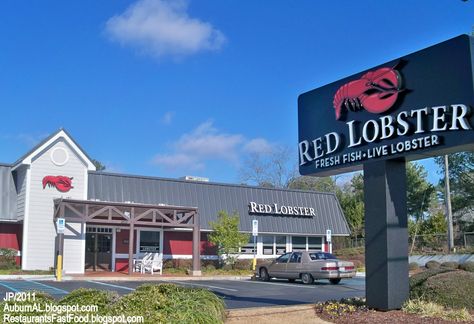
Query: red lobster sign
(376, 91)
(62, 183)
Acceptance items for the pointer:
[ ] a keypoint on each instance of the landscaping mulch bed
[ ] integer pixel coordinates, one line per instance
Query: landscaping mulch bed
(371, 316)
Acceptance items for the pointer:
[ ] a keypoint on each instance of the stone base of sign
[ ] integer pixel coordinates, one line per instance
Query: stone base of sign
(386, 234)
(196, 273)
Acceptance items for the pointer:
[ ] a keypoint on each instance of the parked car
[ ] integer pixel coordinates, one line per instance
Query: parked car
(307, 266)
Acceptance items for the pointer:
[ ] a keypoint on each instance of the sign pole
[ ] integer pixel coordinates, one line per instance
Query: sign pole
(59, 261)
(386, 234)
(254, 234)
(60, 226)
(329, 239)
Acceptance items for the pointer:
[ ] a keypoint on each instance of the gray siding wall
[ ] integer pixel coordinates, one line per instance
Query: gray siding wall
(39, 227)
(20, 182)
(210, 198)
(7, 194)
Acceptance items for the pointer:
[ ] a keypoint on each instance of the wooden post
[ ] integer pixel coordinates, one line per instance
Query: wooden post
(196, 246)
(130, 249)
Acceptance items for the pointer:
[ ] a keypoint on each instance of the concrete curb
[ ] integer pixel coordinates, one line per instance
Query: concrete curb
(27, 277)
(360, 274)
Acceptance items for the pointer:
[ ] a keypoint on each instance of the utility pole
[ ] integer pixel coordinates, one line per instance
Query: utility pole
(449, 214)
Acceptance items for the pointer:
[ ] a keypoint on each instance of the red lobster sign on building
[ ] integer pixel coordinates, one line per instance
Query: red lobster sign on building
(376, 91)
(61, 183)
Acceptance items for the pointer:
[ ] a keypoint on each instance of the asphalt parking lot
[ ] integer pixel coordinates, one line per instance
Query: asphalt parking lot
(236, 293)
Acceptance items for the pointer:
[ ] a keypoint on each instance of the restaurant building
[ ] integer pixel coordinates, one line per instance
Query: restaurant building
(111, 218)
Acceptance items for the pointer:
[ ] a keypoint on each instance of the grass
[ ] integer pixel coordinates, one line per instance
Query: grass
(25, 272)
(430, 309)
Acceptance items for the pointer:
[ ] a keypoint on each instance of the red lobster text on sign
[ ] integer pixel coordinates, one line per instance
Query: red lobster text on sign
(62, 183)
(376, 91)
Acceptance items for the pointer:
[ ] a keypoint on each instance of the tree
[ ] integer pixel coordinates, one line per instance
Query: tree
(98, 165)
(226, 236)
(420, 192)
(326, 184)
(461, 179)
(351, 198)
(273, 169)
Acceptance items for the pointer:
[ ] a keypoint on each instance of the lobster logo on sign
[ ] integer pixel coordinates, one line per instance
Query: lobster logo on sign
(62, 183)
(376, 91)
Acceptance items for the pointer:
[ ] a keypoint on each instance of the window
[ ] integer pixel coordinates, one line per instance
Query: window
(299, 243)
(249, 247)
(295, 257)
(149, 241)
(280, 244)
(321, 256)
(284, 258)
(267, 244)
(315, 243)
(98, 230)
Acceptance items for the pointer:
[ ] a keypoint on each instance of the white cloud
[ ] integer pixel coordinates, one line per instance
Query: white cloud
(206, 143)
(163, 28)
(178, 161)
(167, 118)
(258, 145)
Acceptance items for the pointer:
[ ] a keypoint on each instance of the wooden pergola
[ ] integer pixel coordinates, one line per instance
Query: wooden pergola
(131, 215)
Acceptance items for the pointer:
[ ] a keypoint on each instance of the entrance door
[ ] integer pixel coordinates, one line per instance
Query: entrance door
(98, 252)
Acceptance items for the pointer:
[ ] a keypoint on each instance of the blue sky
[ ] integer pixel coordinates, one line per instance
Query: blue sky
(173, 88)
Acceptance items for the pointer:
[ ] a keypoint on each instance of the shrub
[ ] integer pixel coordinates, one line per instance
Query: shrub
(182, 264)
(243, 265)
(467, 266)
(83, 296)
(210, 263)
(210, 267)
(421, 277)
(450, 288)
(7, 258)
(350, 251)
(450, 265)
(432, 265)
(430, 309)
(169, 303)
(165, 303)
(413, 266)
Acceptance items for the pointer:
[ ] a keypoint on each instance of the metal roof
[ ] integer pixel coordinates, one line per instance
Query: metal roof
(7, 195)
(211, 197)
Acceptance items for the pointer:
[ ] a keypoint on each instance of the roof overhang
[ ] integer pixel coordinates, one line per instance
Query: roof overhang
(29, 157)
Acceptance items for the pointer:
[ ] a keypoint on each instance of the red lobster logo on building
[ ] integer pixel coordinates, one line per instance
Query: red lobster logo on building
(62, 183)
(376, 91)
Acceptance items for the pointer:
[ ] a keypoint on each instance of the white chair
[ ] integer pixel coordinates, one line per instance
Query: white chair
(152, 264)
(138, 262)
